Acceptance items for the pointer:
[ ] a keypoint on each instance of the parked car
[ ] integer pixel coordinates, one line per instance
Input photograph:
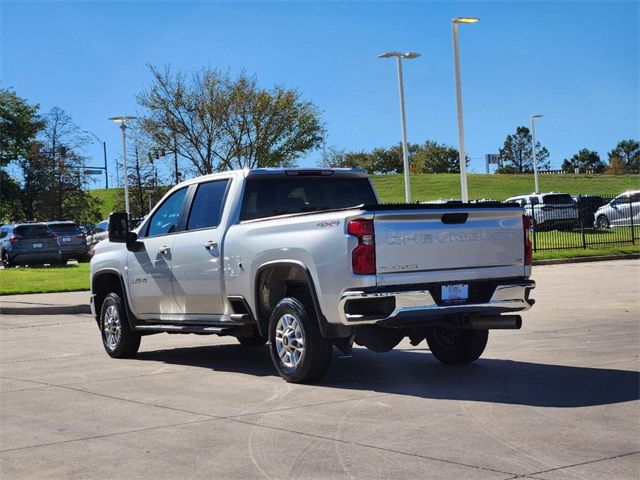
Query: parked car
(587, 207)
(28, 244)
(307, 259)
(549, 211)
(624, 210)
(96, 235)
(71, 239)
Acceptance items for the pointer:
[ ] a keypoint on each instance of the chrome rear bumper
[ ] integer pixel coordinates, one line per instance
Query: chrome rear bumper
(414, 306)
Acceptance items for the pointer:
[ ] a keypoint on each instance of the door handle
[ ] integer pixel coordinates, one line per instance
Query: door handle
(164, 250)
(210, 245)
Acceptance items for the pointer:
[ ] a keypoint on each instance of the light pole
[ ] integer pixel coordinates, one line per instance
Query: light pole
(123, 126)
(104, 151)
(462, 154)
(533, 150)
(405, 151)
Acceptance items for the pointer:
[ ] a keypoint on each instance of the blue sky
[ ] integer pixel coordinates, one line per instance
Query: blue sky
(576, 62)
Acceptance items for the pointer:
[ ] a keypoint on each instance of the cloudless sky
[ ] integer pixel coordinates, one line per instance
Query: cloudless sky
(576, 62)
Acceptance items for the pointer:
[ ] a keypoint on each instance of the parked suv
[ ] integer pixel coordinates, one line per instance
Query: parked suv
(96, 235)
(549, 211)
(624, 210)
(28, 244)
(71, 239)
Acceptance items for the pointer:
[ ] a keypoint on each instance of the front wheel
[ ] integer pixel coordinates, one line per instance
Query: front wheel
(117, 337)
(455, 346)
(298, 350)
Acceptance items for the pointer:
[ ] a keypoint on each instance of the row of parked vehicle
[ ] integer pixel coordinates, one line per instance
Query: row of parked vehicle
(52, 243)
(561, 211)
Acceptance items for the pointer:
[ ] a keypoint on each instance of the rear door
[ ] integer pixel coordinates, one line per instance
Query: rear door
(196, 256)
(448, 241)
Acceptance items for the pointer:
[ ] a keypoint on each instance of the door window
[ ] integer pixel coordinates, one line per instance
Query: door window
(207, 205)
(166, 219)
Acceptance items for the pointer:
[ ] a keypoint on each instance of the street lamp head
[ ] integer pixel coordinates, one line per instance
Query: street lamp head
(123, 119)
(537, 115)
(465, 20)
(399, 55)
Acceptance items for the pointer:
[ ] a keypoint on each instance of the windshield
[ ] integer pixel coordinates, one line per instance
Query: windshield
(267, 197)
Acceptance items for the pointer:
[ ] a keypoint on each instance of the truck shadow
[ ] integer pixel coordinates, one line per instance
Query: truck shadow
(416, 373)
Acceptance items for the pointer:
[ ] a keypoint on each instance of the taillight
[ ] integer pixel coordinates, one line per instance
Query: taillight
(527, 224)
(363, 257)
(15, 239)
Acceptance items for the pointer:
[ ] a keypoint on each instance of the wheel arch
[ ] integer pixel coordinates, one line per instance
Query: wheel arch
(107, 281)
(288, 278)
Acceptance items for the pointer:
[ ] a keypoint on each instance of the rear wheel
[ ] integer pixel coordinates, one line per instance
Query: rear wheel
(298, 350)
(252, 341)
(117, 337)
(455, 346)
(603, 222)
(6, 261)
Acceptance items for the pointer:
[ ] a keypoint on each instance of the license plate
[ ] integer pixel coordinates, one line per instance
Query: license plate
(455, 293)
(37, 245)
(66, 239)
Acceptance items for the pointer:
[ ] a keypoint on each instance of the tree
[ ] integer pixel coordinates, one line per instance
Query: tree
(516, 154)
(625, 158)
(53, 173)
(584, 160)
(218, 122)
(438, 158)
(19, 125)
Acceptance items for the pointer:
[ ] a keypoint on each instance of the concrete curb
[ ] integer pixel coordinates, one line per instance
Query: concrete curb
(601, 258)
(46, 310)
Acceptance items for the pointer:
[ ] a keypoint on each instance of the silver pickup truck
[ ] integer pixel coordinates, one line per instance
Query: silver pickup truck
(307, 260)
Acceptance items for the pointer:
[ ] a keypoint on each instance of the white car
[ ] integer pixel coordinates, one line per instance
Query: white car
(624, 210)
(549, 211)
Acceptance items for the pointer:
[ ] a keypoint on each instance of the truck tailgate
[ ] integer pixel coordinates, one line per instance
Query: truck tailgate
(445, 239)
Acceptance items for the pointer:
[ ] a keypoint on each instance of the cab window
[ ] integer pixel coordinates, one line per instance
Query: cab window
(207, 205)
(166, 219)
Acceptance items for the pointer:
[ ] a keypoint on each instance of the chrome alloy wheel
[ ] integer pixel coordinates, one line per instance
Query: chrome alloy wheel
(111, 327)
(289, 340)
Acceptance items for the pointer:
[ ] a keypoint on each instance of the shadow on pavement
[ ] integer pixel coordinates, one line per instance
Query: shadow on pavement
(417, 373)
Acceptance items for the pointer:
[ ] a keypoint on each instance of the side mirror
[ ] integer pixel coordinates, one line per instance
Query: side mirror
(118, 227)
(119, 231)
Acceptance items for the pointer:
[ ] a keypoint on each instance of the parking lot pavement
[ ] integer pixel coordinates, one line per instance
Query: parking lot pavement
(556, 400)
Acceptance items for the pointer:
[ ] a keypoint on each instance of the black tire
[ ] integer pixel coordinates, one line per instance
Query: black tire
(456, 346)
(6, 261)
(118, 339)
(316, 354)
(257, 341)
(603, 222)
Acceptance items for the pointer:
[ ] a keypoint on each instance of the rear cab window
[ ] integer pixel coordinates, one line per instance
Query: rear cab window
(272, 196)
(558, 199)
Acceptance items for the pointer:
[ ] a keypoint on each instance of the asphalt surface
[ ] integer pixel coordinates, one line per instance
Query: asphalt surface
(558, 399)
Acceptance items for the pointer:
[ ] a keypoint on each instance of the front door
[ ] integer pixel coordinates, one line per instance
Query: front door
(149, 269)
(197, 264)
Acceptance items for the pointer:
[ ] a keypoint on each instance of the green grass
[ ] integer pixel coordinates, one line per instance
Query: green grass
(589, 252)
(108, 197)
(69, 278)
(390, 188)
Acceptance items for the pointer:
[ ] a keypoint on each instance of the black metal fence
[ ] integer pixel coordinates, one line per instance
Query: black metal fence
(589, 221)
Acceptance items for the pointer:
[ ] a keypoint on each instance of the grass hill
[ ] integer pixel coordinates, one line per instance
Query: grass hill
(390, 188)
